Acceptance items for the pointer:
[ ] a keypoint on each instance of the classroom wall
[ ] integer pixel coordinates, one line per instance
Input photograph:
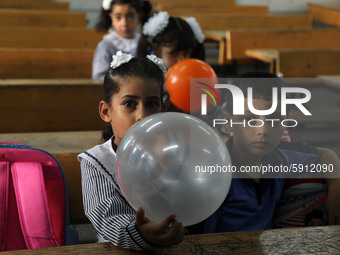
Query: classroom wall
(92, 7)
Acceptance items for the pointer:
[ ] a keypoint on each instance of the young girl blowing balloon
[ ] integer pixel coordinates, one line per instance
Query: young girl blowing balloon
(133, 89)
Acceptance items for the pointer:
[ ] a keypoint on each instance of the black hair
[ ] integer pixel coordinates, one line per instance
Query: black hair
(136, 67)
(314, 214)
(261, 88)
(143, 8)
(177, 32)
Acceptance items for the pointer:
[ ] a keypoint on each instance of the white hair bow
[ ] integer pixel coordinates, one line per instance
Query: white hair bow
(196, 29)
(156, 24)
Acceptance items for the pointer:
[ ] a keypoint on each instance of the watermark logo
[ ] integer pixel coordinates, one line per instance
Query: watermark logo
(282, 98)
(211, 92)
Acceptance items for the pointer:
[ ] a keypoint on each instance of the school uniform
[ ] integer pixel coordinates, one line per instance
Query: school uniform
(110, 45)
(104, 204)
(250, 205)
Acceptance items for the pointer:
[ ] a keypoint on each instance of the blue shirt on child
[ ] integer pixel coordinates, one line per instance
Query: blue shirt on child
(250, 205)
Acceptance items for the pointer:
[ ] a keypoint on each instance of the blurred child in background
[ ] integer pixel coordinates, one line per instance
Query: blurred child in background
(171, 38)
(124, 16)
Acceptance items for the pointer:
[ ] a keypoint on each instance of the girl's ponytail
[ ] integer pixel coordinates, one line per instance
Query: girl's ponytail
(104, 22)
(144, 47)
(146, 10)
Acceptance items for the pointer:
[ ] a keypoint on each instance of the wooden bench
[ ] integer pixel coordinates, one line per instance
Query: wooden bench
(34, 4)
(300, 63)
(49, 105)
(194, 2)
(180, 10)
(32, 37)
(238, 41)
(28, 63)
(328, 14)
(64, 146)
(226, 22)
(41, 18)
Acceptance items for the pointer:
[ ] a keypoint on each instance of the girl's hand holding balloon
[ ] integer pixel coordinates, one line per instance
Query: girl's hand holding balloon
(165, 233)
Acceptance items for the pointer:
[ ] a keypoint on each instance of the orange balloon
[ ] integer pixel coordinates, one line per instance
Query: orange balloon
(179, 88)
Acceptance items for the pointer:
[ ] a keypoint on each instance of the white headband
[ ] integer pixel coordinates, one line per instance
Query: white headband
(156, 24)
(106, 4)
(121, 58)
(196, 29)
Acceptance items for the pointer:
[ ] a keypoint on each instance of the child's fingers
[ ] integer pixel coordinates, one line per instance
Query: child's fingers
(140, 216)
(165, 224)
(176, 232)
(171, 234)
(180, 233)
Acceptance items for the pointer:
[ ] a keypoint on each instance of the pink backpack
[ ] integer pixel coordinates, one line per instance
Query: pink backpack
(33, 199)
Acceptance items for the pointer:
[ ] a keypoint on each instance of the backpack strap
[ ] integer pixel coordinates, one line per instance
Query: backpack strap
(4, 181)
(33, 210)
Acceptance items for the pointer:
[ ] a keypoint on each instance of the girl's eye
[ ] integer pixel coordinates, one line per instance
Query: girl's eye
(154, 104)
(173, 53)
(131, 17)
(130, 104)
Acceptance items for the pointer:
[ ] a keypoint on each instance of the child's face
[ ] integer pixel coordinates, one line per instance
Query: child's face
(125, 20)
(136, 99)
(170, 55)
(256, 142)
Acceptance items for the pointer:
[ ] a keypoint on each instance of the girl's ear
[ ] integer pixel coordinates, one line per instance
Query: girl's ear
(157, 50)
(105, 111)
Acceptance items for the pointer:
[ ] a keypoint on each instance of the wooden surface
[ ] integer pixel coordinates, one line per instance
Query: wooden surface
(308, 62)
(313, 240)
(32, 63)
(41, 18)
(301, 63)
(56, 142)
(226, 22)
(34, 4)
(179, 10)
(72, 173)
(194, 2)
(329, 14)
(238, 41)
(49, 105)
(41, 37)
(269, 56)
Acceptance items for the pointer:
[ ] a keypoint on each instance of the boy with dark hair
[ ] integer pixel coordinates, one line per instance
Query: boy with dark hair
(254, 144)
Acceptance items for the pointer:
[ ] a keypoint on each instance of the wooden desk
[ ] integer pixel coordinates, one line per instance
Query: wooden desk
(268, 56)
(313, 240)
(48, 105)
(300, 63)
(328, 14)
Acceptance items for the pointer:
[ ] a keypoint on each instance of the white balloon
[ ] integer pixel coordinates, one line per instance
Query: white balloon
(163, 164)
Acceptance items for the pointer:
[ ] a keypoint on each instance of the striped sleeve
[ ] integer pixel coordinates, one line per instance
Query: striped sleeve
(111, 215)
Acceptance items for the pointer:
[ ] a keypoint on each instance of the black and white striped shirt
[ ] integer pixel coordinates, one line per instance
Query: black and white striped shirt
(104, 204)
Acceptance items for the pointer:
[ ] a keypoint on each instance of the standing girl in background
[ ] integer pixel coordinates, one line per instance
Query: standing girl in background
(171, 38)
(124, 16)
(133, 89)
